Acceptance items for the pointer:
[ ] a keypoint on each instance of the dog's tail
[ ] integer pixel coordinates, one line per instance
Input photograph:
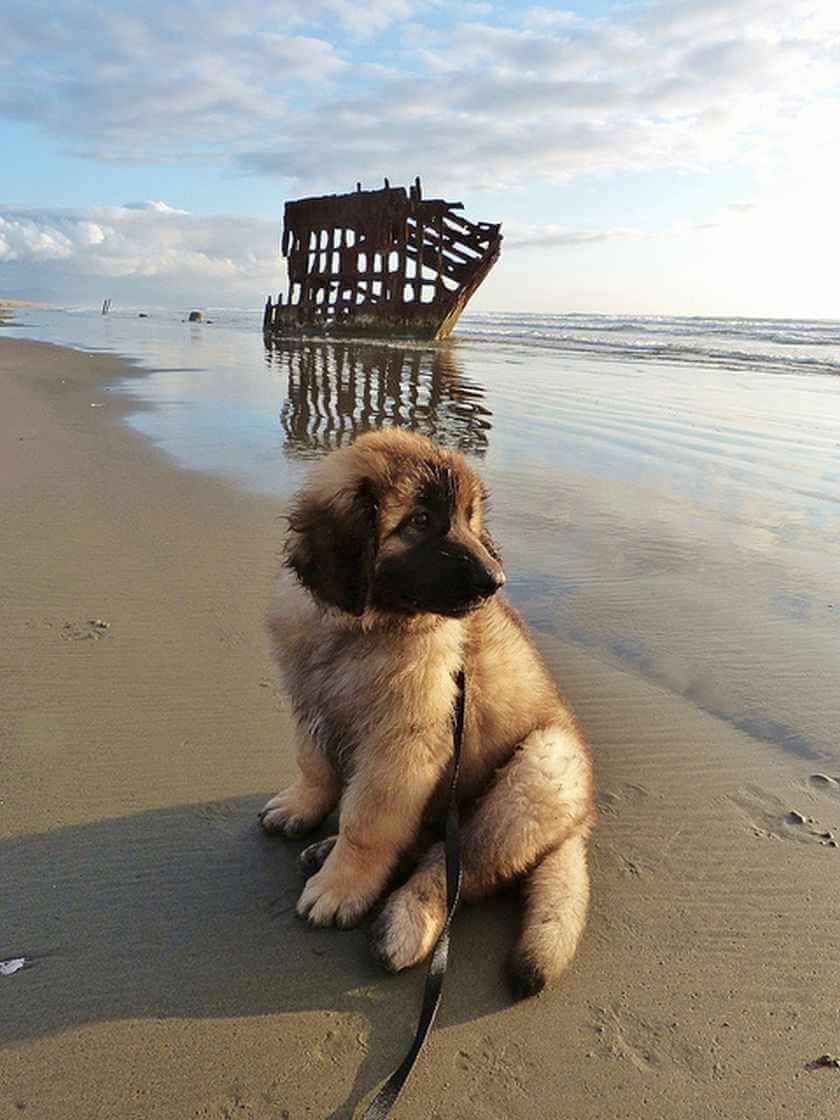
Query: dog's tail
(556, 901)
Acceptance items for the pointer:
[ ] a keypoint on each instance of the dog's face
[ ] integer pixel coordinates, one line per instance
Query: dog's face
(394, 524)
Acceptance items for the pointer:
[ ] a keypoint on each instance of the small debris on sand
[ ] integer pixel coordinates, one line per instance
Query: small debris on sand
(825, 1061)
(794, 817)
(10, 967)
(81, 631)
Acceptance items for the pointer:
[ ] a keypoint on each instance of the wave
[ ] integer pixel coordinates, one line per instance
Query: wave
(788, 345)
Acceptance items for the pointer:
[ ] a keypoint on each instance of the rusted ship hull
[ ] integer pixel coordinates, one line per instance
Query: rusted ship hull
(385, 263)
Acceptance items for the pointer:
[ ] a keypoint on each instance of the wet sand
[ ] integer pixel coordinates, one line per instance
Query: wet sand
(166, 973)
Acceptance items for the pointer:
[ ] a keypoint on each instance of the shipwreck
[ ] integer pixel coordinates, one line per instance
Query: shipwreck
(387, 263)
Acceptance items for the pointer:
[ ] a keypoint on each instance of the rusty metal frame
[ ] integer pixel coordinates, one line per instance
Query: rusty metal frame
(387, 263)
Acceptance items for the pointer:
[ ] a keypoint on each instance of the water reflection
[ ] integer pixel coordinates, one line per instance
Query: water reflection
(338, 390)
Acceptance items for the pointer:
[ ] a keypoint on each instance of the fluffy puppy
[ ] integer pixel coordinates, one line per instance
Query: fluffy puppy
(391, 585)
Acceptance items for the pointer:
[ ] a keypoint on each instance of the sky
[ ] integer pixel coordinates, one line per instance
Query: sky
(644, 157)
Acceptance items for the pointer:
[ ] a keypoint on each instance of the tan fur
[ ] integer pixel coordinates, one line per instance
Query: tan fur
(313, 796)
(374, 693)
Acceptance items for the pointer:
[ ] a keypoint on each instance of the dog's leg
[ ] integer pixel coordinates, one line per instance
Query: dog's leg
(313, 796)
(380, 817)
(408, 927)
(556, 901)
(539, 801)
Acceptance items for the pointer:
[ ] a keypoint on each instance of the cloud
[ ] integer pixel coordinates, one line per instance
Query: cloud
(492, 106)
(554, 237)
(168, 81)
(497, 97)
(148, 248)
(521, 236)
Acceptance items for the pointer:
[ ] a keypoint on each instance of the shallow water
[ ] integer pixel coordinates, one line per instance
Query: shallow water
(666, 492)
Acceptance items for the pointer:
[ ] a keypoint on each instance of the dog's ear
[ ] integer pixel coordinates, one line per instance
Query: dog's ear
(332, 546)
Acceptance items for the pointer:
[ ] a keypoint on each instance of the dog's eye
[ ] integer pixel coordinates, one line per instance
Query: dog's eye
(419, 519)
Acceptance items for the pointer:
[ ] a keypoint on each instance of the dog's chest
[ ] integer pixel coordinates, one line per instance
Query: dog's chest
(356, 692)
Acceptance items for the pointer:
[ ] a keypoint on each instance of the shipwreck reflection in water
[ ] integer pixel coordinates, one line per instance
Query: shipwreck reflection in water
(338, 390)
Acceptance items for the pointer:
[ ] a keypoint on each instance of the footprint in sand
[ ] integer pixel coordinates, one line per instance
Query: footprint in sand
(490, 1081)
(771, 818)
(650, 1045)
(616, 802)
(240, 1102)
(338, 1047)
(612, 801)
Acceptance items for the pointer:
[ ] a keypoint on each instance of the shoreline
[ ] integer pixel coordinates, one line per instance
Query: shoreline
(166, 973)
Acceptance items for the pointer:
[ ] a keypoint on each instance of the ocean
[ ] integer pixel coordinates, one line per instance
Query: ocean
(804, 345)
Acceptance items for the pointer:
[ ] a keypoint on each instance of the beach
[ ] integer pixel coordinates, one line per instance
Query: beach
(682, 592)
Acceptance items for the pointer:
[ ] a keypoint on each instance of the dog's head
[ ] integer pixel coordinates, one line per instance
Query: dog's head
(393, 524)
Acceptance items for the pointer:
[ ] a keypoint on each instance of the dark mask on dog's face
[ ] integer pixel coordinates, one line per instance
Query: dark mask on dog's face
(436, 560)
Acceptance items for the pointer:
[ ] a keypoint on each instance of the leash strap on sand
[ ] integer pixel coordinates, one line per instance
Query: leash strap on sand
(386, 1098)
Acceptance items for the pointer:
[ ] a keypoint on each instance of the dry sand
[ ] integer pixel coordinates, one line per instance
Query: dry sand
(166, 973)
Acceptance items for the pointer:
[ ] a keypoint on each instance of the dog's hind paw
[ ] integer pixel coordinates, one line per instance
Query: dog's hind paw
(314, 857)
(405, 932)
(525, 977)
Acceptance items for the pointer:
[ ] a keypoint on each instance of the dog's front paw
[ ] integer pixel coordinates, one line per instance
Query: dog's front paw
(332, 898)
(291, 813)
(405, 932)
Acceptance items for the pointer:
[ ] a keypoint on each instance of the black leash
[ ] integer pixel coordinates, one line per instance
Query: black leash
(386, 1098)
